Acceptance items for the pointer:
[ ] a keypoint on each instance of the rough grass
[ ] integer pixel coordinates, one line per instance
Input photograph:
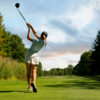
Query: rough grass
(10, 69)
(52, 88)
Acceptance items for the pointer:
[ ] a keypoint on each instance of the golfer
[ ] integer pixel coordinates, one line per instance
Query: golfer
(31, 57)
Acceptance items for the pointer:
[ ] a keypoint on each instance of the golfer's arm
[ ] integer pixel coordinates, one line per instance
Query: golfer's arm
(35, 33)
(28, 36)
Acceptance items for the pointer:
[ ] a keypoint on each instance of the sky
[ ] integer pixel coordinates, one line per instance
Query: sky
(72, 26)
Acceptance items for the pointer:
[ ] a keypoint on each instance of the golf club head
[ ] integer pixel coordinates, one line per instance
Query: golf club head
(17, 5)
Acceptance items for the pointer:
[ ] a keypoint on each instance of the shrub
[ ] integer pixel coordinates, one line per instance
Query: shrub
(20, 71)
(5, 69)
(9, 69)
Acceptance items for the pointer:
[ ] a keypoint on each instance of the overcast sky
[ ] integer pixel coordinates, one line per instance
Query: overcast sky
(72, 26)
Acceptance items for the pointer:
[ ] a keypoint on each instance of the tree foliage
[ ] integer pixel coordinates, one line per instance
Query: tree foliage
(95, 64)
(39, 69)
(89, 63)
(83, 67)
(11, 45)
(2, 40)
(18, 49)
(70, 69)
(59, 71)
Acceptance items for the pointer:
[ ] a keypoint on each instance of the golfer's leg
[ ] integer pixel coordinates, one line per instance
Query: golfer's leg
(34, 69)
(28, 66)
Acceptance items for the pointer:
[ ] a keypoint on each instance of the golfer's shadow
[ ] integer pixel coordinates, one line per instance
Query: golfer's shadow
(13, 91)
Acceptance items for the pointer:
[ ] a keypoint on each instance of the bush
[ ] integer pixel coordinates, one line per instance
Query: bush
(9, 69)
(20, 71)
(5, 69)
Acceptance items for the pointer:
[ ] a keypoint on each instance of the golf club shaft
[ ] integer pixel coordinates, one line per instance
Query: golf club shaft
(21, 15)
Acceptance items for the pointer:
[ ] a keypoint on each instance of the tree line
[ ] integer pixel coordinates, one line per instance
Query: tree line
(59, 71)
(11, 45)
(89, 63)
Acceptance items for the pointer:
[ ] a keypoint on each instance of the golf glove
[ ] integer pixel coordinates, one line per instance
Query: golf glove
(28, 27)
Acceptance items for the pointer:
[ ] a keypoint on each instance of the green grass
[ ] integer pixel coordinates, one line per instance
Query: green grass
(52, 88)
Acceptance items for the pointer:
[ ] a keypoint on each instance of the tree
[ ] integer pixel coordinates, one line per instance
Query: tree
(2, 43)
(84, 65)
(95, 56)
(45, 73)
(65, 71)
(7, 48)
(53, 71)
(11, 45)
(60, 72)
(18, 49)
(39, 69)
(75, 69)
(70, 69)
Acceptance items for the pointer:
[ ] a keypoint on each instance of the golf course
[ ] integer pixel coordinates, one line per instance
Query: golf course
(50, 50)
(52, 88)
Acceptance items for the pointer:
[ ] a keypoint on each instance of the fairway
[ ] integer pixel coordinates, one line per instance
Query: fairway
(52, 88)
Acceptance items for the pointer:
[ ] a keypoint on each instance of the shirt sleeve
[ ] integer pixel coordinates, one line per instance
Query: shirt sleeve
(34, 40)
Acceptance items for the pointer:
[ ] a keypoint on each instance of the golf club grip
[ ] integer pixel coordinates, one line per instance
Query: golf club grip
(21, 15)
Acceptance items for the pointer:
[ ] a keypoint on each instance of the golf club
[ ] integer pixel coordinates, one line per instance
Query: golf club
(17, 6)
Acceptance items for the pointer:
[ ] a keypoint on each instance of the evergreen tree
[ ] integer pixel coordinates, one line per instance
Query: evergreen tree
(2, 40)
(7, 48)
(95, 67)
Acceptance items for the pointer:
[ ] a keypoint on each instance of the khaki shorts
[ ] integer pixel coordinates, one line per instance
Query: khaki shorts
(31, 58)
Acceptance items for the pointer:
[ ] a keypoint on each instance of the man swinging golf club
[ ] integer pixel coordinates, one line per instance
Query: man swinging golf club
(31, 57)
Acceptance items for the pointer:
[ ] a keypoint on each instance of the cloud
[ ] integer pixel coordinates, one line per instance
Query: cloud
(64, 28)
(71, 58)
(58, 49)
(83, 17)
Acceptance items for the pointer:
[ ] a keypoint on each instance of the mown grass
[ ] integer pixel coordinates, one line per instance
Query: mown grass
(52, 88)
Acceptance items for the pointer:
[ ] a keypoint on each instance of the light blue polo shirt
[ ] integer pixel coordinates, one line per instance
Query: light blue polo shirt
(36, 45)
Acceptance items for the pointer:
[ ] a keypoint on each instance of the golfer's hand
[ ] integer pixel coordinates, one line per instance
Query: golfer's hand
(28, 27)
(28, 24)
